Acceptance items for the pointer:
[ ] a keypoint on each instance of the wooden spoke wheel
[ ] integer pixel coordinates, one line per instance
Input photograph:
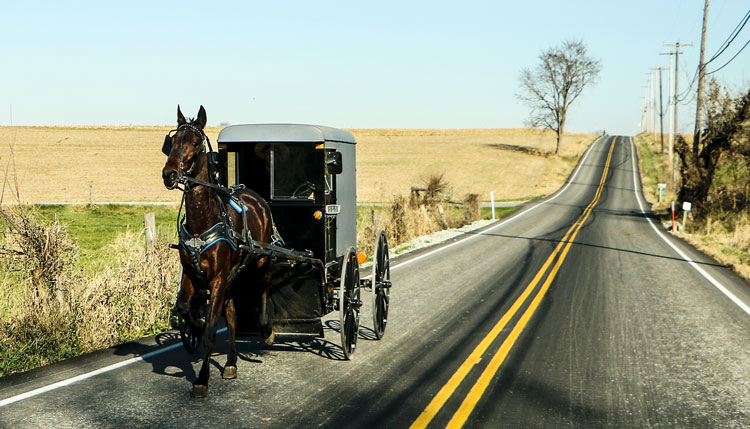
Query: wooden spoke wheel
(349, 302)
(190, 340)
(381, 284)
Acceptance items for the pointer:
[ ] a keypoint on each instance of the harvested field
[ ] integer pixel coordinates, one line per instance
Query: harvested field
(474, 161)
(58, 164)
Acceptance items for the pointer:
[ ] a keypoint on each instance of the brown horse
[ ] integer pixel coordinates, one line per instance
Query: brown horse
(210, 241)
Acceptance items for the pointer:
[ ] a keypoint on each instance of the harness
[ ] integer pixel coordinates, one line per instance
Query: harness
(224, 229)
(221, 231)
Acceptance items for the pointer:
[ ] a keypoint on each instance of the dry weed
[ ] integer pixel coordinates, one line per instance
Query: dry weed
(471, 206)
(41, 253)
(741, 236)
(425, 212)
(130, 299)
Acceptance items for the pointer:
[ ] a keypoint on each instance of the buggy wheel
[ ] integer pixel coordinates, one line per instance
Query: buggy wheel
(190, 341)
(381, 283)
(191, 335)
(349, 303)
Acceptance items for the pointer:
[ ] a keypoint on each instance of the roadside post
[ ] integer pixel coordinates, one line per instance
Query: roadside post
(662, 187)
(492, 204)
(686, 207)
(149, 222)
(673, 225)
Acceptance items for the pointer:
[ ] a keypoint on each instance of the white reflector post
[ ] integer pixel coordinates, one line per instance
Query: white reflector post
(492, 204)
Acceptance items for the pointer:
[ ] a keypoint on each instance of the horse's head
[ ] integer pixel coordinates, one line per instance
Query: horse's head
(184, 147)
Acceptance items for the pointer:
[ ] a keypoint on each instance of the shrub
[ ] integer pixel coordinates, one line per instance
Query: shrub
(427, 210)
(64, 312)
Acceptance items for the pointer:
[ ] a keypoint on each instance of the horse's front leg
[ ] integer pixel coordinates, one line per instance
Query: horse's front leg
(184, 295)
(217, 286)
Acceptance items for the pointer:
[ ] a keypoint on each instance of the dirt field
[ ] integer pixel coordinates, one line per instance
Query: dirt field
(58, 164)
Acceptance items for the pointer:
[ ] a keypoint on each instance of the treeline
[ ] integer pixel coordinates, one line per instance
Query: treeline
(715, 168)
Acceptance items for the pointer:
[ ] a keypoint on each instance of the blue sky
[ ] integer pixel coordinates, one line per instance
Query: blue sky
(345, 64)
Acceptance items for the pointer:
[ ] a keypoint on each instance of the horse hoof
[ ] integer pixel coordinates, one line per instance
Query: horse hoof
(199, 391)
(230, 372)
(270, 338)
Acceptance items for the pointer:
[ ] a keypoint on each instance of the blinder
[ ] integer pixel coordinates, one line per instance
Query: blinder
(213, 164)
(167, 147)
(211, 157)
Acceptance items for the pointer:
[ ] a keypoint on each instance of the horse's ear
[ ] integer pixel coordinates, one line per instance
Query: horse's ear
(201, 117)
(180, 117)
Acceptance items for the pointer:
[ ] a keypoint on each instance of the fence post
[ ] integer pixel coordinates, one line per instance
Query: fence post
(149, 222)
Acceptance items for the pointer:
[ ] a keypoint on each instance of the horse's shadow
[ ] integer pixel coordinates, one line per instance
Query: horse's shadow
(177, 362)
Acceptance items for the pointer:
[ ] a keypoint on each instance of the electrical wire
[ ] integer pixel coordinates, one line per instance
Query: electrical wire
(730, 60)
(684, 94)
(724, 46)
(733, 35)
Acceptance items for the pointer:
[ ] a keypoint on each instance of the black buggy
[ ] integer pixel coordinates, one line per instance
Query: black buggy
(307, 174)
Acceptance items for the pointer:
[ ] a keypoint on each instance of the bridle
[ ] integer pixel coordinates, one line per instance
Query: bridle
(185, 177)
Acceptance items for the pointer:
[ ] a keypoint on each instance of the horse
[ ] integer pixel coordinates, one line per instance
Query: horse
(217, 220)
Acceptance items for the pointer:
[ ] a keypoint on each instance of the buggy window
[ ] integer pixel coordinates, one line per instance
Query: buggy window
(292, 171)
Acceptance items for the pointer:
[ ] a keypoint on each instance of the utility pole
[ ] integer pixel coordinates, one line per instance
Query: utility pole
(661, 109)
(677, 81)
(644, 114)
(674, 103)
(701, 76)
(671, 124)
(670, 107)
(649, 102)
(653, 102)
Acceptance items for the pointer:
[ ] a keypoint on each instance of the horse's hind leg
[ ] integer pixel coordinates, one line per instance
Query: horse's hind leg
(265, 313)
(230, 369)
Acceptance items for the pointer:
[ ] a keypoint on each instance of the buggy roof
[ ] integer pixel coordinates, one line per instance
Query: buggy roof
(283, 133)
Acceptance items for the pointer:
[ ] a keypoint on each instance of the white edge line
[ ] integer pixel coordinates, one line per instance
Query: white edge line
(572, 178)
(68, 381)
(124, 363)
(687, 259)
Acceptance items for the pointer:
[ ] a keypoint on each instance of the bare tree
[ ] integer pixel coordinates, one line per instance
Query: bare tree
(560, 77)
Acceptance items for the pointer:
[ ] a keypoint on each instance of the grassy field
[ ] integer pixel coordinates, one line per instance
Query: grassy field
(59, 164)
(96, 228)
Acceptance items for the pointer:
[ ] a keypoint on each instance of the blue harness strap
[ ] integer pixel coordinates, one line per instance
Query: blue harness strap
(195, 246)
(236, 206)
(212, 236)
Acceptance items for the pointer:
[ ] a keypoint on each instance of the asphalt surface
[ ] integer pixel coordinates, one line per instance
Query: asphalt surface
(575, 312)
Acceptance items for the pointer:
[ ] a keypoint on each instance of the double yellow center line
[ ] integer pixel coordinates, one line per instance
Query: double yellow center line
(471, 400)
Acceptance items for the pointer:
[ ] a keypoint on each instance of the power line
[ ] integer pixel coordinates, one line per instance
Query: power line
(733, 35)
(685, 93)
(730, 60)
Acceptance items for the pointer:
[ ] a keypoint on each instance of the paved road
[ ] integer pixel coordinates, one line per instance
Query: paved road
(576, 312)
